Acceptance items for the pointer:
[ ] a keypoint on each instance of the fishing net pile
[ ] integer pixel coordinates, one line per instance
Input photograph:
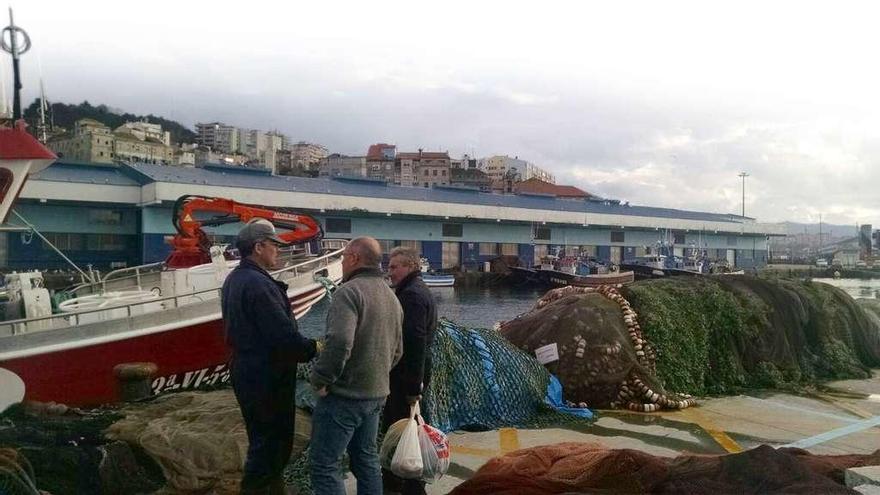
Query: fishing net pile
(481, 381)
(63, 450)
(16, 473)
(720, 335)
(604, 359)
(591, 468)
(198, 439)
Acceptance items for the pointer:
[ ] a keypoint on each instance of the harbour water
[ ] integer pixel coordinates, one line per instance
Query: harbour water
(471, 307)
(857, 288)
(483, 307)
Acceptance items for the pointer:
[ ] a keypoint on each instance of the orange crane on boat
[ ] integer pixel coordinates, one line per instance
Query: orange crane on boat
(191, 244)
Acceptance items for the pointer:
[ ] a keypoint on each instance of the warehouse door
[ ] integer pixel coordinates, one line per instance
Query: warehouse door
(615, 254)
(451, 255)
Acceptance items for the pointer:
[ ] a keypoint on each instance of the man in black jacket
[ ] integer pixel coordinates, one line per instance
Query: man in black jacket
(413, 373)
(266, 347)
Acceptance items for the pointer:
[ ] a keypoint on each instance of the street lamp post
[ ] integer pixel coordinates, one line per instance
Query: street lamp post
(743, 175)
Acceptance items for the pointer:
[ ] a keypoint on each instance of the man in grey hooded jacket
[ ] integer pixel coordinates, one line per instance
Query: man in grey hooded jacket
(351, 376)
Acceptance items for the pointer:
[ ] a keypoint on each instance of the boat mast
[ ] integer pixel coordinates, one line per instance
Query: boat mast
(42, 129)
(5, 108)
(18, 43)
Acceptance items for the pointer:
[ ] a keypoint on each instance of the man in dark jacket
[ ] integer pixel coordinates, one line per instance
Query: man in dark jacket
(266, 346)
(411, 375)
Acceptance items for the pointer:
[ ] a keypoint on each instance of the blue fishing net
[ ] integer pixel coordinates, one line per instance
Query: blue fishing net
(480, 381)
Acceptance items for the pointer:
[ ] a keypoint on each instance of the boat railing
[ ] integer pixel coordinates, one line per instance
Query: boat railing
(312, 263)
(117, 312)
(135, 273)
(132, 272)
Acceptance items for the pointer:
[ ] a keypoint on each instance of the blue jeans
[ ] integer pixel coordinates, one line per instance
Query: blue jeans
(338, 424)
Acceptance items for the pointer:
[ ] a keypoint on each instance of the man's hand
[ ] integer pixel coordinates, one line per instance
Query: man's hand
(322, 392)
(412, 399)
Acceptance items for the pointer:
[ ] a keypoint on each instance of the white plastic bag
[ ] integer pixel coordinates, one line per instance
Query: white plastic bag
(435, 452)
(407, 460)
(432, 443)
(390, 441)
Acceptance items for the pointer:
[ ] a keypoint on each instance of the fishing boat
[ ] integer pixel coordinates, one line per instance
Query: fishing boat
(435, 279)
(660, 266)
(570, 271)
(164, 313)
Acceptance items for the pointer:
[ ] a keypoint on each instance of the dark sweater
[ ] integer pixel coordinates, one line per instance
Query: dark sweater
(413, 372)
(261, 330)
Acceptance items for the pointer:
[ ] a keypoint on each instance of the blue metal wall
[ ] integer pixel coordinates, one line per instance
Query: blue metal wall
(154, 248)
(526, 254)
(433, 251)
(603, 253)
(96, 235)
(29, 252)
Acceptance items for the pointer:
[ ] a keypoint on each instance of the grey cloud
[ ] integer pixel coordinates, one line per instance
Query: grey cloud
(648, 148)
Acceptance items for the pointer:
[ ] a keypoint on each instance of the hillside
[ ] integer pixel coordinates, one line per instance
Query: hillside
(830, 230)
(65, 115)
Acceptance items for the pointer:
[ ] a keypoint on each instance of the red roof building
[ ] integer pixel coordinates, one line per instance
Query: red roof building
(537, 186)
(381, 151)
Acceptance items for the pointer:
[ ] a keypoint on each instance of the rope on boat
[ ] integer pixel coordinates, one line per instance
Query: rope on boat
(329, 286)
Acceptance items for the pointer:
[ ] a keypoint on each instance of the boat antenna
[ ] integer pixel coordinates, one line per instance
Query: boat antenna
(19, 42)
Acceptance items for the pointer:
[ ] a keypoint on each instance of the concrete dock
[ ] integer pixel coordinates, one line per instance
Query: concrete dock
(840, 418)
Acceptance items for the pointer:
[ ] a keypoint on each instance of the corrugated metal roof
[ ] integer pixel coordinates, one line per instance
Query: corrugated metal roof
(86, 173)
(369, 189)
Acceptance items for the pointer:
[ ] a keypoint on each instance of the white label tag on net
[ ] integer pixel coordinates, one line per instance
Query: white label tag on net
(547, 354)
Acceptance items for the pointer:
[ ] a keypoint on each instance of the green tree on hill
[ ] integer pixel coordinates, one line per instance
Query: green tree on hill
(64, 115)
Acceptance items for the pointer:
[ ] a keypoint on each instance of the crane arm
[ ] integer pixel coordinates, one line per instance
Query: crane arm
(191, 244)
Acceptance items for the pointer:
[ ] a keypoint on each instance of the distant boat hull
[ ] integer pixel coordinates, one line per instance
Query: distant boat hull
(438, 280)
(645, 272)
(555, 278)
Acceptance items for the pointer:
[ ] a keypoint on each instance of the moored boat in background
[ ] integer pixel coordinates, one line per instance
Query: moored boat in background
(434, 279)
(571, 271)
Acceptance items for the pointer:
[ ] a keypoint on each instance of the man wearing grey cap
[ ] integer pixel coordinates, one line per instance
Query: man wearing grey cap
(266, 347)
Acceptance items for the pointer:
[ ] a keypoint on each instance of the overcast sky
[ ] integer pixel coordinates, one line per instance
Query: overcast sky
(656, 103)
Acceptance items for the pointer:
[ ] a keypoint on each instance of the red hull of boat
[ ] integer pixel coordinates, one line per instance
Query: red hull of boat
(188, 357)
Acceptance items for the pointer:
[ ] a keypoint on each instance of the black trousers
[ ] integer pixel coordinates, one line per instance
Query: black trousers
(269, 421)
(396, 408)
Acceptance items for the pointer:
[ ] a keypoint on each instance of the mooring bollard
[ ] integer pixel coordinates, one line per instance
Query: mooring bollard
(134, 380)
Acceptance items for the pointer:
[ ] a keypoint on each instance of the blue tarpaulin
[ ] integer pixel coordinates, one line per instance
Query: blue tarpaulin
(554, 400)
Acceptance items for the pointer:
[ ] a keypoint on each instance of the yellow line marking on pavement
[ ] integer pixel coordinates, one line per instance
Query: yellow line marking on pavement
(716, 433)
(691, 415)
(508, 439)
(461, 449)
(858, 411)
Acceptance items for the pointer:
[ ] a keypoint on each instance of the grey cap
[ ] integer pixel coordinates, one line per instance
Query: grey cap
(259, 229)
